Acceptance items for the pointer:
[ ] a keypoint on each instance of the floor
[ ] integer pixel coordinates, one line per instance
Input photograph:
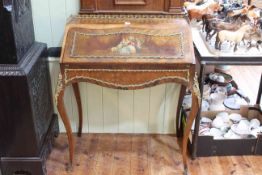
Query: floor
(116, 154)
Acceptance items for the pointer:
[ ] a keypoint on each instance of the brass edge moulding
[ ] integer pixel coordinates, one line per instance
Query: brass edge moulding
(130, 16)
(196, 89)
(125, 86)
(59, 87)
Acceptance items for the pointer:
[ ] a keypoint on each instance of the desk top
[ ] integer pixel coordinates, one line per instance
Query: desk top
(121, 39)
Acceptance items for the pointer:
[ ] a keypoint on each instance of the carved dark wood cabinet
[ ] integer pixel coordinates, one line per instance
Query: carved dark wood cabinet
(16, 30)
(27, 120)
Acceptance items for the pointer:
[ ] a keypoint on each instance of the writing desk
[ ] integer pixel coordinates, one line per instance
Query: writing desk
(126, 52)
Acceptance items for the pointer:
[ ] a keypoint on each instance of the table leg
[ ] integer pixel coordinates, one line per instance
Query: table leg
(79, 107)
(62, 111)
(192, 115)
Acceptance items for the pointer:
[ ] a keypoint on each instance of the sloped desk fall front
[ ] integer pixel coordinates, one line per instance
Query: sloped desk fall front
(126, 52)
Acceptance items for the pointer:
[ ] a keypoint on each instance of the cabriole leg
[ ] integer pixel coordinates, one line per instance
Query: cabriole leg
(62, 111)
(193, 113)
(79, 107)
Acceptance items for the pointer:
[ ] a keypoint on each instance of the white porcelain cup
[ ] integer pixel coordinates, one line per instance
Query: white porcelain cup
(216, 102)
(205, 120)
(231, 135)
(224, 116)
(217, 98)
(254, 123)
(218, 122)
(235, 117)
(224, 129)
(220, 79)
(243, 127)
(245, 123)
(215, 132)
(213, 77)
(228, 134)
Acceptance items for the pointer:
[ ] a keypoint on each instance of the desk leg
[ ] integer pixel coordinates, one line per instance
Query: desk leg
(79, 107)
(187, 131)
(62, 111)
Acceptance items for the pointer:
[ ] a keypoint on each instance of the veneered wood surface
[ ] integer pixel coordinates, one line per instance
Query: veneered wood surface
(157, 31)
(125, 154)
(127, 79)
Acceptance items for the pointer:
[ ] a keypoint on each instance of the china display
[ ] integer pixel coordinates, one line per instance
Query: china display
(27, 120)
(228, 27)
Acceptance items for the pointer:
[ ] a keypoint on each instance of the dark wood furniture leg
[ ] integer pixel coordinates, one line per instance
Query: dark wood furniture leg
(79, 107)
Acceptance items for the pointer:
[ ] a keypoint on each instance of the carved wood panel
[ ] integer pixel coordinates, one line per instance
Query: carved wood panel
(21, 7)
(16, 31)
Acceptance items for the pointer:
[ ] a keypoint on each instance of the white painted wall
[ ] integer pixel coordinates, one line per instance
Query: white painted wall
(150, 110)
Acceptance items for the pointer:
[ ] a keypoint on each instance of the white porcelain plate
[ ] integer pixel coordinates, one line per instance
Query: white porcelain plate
(235, 129)
(234, 103)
